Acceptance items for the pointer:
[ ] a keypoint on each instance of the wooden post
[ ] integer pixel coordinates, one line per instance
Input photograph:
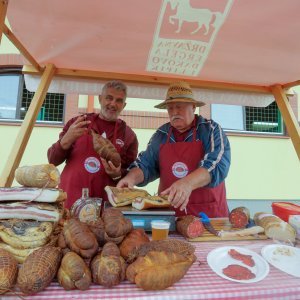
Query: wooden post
(3, 9)
(90, 106)
(289, 118)
(26, 128)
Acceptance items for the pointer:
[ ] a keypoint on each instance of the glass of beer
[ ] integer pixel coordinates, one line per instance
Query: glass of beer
(160, 230)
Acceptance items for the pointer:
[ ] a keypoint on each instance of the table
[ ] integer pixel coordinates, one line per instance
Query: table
(200, 282)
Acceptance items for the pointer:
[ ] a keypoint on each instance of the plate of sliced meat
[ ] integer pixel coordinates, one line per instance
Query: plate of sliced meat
(238, 264)
(283, 257)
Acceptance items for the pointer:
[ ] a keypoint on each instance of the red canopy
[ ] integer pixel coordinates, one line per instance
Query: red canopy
(250, 42)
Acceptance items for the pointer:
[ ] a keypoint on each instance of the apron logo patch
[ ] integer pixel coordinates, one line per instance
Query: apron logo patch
(180, 169)
(120, 143)
(92, 164)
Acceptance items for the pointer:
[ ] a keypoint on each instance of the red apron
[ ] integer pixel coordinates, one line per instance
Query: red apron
(85, 170)
(177, 160)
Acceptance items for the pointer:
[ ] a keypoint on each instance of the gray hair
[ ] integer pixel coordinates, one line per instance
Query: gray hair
(115, 84)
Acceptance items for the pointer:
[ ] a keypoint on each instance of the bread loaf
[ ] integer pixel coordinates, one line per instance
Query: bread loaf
(275, 228)
(19, 254)
(74, 273)
(8, 271)
(39, 176)
(22, 234)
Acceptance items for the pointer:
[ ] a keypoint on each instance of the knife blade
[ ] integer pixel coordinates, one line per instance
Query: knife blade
(207, 224)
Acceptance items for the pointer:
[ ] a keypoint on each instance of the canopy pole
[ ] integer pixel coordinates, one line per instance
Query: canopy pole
(26, 128)
(3, 9)
(289, 118)
(291, 84)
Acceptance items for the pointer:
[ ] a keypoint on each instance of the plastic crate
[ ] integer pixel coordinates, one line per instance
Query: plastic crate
(284, 209)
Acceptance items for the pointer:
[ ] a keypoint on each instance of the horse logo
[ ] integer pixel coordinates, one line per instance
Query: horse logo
(202, 16)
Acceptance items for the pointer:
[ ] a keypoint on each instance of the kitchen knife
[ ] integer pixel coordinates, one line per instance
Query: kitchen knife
(206, 223)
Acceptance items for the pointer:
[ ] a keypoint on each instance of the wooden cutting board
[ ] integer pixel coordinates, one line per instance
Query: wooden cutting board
(224, 224)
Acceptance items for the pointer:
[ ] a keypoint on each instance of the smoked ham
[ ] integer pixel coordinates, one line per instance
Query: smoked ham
(123, 196)
(142, 203)
(40, 176)
(169, 245)
(32, 194)
(39, 269)
(8, 271)
(158, 270)
(108, 267)
(133, 241)
(106, 149)
(74, 273)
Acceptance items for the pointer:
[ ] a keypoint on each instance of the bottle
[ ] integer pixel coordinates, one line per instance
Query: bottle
(86, 209)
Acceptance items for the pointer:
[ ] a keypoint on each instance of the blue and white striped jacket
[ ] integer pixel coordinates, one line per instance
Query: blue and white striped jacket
(216, 147)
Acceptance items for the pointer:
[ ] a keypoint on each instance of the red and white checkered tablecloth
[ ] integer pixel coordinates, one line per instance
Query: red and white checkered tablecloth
(200, 282)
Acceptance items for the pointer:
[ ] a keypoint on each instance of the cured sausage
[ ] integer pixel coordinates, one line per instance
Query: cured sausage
(239, 217)
(189, 226)
(238, 272)
(246, 259)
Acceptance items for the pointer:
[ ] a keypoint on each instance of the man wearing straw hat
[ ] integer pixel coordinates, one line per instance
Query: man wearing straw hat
(190, 155)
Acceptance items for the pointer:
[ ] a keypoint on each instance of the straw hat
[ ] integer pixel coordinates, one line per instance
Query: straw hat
(179, 92)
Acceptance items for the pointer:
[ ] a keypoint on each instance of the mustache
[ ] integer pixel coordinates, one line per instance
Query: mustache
(176, 117)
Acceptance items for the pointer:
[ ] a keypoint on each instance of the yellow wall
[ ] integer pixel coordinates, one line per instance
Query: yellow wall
(262, 168)
(6, 46)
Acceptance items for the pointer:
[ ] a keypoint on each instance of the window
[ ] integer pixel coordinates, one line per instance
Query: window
(15, 100)
(248, 119)
(9, 95)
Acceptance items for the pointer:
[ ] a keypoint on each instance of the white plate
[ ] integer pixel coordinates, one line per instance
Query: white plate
(284, 258)
(218, 259)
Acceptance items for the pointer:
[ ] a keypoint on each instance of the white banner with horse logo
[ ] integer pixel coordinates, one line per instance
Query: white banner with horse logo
(184, 35)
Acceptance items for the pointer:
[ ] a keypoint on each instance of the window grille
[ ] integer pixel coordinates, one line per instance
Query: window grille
(266, 119)
(248, 119)
(52, 109)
